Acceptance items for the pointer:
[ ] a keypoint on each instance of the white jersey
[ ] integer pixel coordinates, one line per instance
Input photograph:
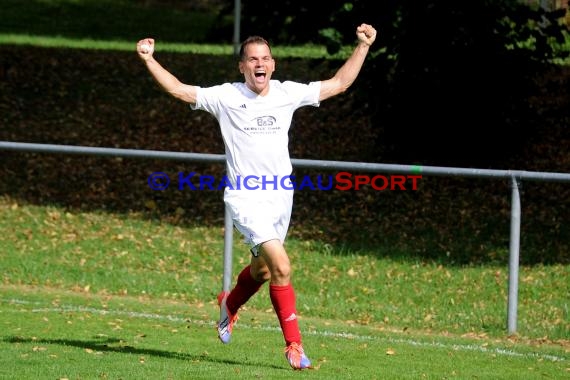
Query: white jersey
(255, 132)
(255, 128)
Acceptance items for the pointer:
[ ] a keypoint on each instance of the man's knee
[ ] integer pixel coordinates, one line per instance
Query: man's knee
(281, 270)
(274, 255)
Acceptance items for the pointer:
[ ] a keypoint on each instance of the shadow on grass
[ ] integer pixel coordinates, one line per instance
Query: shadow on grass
(112, 345)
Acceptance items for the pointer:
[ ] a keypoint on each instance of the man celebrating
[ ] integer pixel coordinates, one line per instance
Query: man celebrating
(254, 118)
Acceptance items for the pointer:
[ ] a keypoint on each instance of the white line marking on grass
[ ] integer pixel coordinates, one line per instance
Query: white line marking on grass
(172, 318)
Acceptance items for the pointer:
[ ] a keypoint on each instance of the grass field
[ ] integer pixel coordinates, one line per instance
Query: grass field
(108, 20)
(97, 295)
(55, 334)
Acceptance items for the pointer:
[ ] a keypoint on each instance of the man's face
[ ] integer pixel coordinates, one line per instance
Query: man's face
(257, 67)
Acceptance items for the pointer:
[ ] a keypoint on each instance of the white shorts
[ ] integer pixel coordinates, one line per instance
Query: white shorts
(260, 215)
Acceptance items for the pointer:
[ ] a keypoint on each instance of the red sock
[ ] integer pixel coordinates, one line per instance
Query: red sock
(283, 300)
(245, 288)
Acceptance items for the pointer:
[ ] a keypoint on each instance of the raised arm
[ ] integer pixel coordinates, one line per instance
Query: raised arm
(347, 74)
(170, 84)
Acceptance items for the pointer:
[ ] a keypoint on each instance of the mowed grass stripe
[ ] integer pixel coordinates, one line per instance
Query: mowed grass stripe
(319, 333)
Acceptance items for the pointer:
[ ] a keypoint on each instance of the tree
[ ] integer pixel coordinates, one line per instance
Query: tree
(449, 79)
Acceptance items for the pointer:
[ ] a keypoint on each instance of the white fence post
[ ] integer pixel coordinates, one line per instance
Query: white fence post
(514, 258)
(228, 243)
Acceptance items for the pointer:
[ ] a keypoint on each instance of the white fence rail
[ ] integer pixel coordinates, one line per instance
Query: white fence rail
(515, 176)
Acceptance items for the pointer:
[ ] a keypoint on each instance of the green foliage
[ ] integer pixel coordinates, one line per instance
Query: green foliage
(333, 39)
(457, 79)
(431, 65)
